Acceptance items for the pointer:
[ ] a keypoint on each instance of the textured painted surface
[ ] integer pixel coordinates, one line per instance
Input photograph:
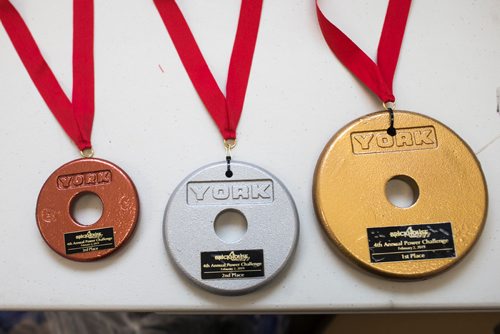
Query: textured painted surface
(357, 163)
(272, 219)
(102, 178)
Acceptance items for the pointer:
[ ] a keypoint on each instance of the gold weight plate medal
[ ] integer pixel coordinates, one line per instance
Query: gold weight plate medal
(415, 242)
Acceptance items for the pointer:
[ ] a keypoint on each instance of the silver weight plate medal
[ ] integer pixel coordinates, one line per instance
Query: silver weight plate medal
(242, 266)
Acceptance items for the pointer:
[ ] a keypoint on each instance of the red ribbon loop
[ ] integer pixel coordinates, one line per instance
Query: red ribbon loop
(75, 117)
(225, 111)
(377, 77)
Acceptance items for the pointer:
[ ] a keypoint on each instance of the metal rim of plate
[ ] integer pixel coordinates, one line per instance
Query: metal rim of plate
(272, 223)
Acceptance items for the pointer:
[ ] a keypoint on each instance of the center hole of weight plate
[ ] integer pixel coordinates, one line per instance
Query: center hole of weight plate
(86, 208)
(230, 225)
(402, 191)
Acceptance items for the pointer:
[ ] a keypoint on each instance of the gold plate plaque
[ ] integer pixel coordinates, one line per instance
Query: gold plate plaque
(415, 242)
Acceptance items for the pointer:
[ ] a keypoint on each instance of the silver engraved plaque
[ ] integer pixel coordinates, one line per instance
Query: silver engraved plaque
(236, 267)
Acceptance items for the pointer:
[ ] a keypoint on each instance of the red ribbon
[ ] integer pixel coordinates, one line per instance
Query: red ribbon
(378, 76)
(225, 111)
(75, 117)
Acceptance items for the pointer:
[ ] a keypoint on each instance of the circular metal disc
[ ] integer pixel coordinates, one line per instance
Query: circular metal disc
(242, 266)
(415, 242)
(119, 216)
